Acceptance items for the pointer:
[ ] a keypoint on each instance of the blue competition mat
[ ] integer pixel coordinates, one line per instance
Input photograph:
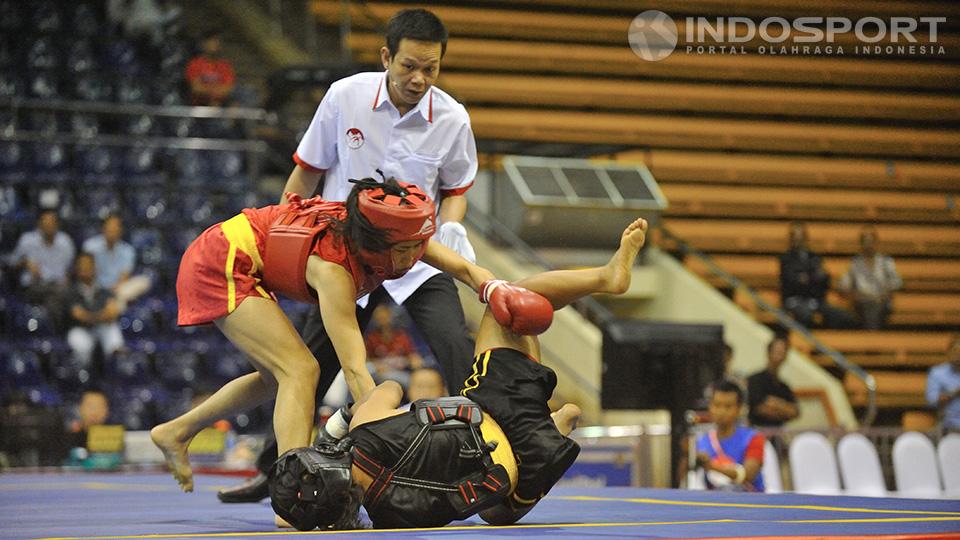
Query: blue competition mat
(121, 505)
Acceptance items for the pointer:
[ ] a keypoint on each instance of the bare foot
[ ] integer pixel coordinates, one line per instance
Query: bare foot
(617, 271)
(281, 523)
(566, 418)
(175, 453)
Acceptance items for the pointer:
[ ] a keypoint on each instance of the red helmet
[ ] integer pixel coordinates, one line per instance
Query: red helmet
(405, 217)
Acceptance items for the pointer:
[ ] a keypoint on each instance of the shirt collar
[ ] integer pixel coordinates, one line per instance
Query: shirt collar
(424, 107)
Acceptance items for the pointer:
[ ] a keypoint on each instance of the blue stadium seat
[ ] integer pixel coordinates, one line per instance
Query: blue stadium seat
(131, 90)
(86, 21)
(97, 165)
(30, 320)
(84, 125)
(81, 58)
(9, 123)
(13, 162)
(92, 87)
(226, 164)
(139, 125)
(11, 85)
(129, 369)
(222, 366)
(179, 368)
(98, 203)
(121, 57)
(141, 166)
(148, 205)
(44, 85)
(191, 166)
(150, 245)
(22, 367)
(174, 56)
(181, 127)
(51, 163)
(46, 19)
(43, 54)
(136, 406)
(196, 208)
(9, 54)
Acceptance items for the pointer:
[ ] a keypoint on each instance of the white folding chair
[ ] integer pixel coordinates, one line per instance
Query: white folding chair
(860, 466)
(813, 465)
(772, 480)
(915, 466)
(948, 451)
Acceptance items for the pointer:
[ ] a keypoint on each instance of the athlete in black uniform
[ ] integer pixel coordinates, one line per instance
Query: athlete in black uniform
(496, 449)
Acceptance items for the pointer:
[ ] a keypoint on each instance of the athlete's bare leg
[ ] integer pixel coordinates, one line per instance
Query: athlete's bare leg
(561, 287)
(285, 370)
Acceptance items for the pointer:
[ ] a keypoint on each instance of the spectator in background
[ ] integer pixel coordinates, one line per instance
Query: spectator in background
(771, 401)
(94, 314)
(804, 284)
(943, 387)
(94, 409)
(115, 260)
(731, 455)
(46, 255)
(390, 349)
(425, 383)
(871, 281)
(209, 75)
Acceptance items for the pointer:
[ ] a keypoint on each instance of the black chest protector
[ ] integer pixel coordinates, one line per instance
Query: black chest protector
(430, 466)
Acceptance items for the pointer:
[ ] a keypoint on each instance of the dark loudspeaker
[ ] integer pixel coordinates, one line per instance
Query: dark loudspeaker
(650, 365)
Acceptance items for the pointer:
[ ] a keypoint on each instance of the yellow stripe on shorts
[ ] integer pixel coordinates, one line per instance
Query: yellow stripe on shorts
(479, 370)
(239, 234)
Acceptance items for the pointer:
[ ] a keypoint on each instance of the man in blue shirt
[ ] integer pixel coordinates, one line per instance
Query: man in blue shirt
(46, 255)
(731, 455)
(943, 387)
(115, 260)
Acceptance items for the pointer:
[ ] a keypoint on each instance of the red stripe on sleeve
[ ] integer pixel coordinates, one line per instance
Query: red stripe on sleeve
(456, 191)
(299, 161)
(755, 448)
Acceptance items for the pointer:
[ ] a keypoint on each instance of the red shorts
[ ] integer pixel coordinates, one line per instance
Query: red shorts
(218, 271)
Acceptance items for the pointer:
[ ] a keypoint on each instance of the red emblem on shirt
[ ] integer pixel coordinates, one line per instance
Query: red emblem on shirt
(354, 138)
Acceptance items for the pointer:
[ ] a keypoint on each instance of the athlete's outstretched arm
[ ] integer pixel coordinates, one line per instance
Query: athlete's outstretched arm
(444, 258)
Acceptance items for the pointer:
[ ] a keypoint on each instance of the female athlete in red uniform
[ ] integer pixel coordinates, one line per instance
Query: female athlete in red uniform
(311, 250)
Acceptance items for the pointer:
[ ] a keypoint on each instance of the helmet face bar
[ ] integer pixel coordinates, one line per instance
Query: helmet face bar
(308, 486)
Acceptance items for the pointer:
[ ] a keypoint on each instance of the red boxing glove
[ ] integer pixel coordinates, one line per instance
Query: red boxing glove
(520, 310)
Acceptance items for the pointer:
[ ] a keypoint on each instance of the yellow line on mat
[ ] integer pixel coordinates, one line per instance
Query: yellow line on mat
(372, 531)
(756, 505)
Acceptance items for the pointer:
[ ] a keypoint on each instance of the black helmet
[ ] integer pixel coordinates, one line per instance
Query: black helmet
(308, 486)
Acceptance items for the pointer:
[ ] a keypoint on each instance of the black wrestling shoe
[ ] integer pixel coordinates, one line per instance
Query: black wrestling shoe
(253, 490)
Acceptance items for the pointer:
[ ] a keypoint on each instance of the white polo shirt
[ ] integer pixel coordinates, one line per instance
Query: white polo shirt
(358, 130)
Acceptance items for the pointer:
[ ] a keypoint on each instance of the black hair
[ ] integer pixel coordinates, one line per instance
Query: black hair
(357, 229)
(777, 337)
(727, 385)
(112, 215)
(213, 33)
(417, 24)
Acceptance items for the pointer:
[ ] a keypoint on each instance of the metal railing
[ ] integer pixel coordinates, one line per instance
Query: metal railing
(788, 322)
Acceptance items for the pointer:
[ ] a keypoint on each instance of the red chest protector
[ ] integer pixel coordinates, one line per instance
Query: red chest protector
(290, 241)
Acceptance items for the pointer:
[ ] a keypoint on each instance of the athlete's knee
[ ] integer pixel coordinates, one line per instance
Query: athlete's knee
(297, 369)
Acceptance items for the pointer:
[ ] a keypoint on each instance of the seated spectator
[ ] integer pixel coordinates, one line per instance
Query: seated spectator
(94, 314)
(425, 383)
(115, 260)
(210, 76)
(804, 284)
(871, 281)
(943, 388)
(390, 348)
(771, 402)
(46, 255)
(731, 455)
(94, 409)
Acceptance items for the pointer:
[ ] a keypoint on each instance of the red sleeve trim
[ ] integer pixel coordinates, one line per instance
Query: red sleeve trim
(299, 161)
(755, 448)
(456, 191)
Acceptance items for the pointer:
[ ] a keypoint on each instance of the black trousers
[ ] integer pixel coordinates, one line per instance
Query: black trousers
(436, 311)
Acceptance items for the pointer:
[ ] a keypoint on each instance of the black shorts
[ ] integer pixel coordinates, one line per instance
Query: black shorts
(514, 390)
